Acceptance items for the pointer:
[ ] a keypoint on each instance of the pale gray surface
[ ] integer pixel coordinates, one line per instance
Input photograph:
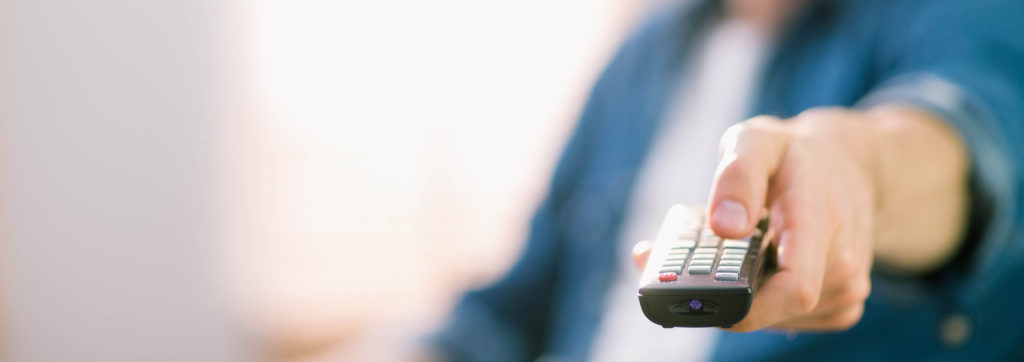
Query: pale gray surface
(108, 144)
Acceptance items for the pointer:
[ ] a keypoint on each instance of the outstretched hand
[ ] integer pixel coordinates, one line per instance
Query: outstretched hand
(826, 179)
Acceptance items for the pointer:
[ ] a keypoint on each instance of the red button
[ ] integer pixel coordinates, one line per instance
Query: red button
(667, 277)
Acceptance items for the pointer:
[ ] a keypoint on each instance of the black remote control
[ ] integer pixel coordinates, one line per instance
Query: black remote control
(694, 278)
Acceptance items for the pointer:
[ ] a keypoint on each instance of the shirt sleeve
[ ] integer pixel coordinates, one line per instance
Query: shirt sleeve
(964, 61)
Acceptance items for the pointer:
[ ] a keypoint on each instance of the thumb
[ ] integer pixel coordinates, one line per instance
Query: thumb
(641, 252)
(750, 153)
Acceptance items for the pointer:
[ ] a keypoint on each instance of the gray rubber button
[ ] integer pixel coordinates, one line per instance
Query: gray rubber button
(731, 262)
(671, 269)
(674, 263)
(729, 269)
(682, 243)
(710, 237)
(734, 251)
(732, 257)
(703, 256)
(708, 244)
(727, 276)
(706, 250)
(700, 269)
(735, 244)
(701, 262)
(687, 235)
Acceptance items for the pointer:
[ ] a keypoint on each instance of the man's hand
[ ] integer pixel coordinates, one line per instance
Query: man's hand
(843, 189)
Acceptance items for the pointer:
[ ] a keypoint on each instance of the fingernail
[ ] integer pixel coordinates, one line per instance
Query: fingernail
(730, 215)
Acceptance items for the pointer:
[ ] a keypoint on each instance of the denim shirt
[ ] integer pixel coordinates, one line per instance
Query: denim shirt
(962, 60)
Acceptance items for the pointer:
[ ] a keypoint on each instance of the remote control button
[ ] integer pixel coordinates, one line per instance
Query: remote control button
(700, 269)
(687, 234)
(730, 269)
(732, 257)
(671, 269)
(731, 262)
(736, 244)
(708, 244)
(705, 251)
(734, 251)
(701, 262)
(703, 256)
(727, 276)
(675, 258)
(710, 237)
(667, 277)
(683, 243)
(674, 263)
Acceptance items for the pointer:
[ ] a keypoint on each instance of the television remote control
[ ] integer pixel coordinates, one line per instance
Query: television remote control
(694, 278)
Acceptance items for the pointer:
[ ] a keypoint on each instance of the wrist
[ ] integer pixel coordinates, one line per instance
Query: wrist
(921, 176)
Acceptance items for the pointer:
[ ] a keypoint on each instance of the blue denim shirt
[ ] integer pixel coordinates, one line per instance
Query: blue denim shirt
(961, 59)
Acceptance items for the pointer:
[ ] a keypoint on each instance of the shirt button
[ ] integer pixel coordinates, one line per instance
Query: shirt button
(955, 330)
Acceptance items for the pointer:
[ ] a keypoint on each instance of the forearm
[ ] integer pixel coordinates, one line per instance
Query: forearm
(922, 193)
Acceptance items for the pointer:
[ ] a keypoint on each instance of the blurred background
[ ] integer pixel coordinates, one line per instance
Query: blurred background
(218, 180)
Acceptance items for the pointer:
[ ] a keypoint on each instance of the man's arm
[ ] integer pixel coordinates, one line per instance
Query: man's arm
(896, 181)
(922, 177)
(844, 188)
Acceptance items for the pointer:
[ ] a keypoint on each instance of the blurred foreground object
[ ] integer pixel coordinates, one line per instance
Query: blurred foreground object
(110, 131)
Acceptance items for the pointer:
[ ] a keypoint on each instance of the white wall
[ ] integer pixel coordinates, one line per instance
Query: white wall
(393, 150)
(334, 162)
(108, 184)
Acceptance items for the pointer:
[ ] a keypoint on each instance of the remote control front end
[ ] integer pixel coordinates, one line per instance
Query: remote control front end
(694, 278)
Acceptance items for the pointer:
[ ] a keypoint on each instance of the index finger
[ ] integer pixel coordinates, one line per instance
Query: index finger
(802, 249)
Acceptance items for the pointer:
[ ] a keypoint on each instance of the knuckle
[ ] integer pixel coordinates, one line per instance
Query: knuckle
(800, 206)
(861, 289)
(734, 167)
(764, 122)
(822, 112)
(759, 126)
(735, 130)
(845, 266)
(732, 135)
(849, 319)
(822, 122)
(854, 293)
(807, 296)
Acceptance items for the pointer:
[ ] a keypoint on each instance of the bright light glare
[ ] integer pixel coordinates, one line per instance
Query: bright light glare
(397, 147)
